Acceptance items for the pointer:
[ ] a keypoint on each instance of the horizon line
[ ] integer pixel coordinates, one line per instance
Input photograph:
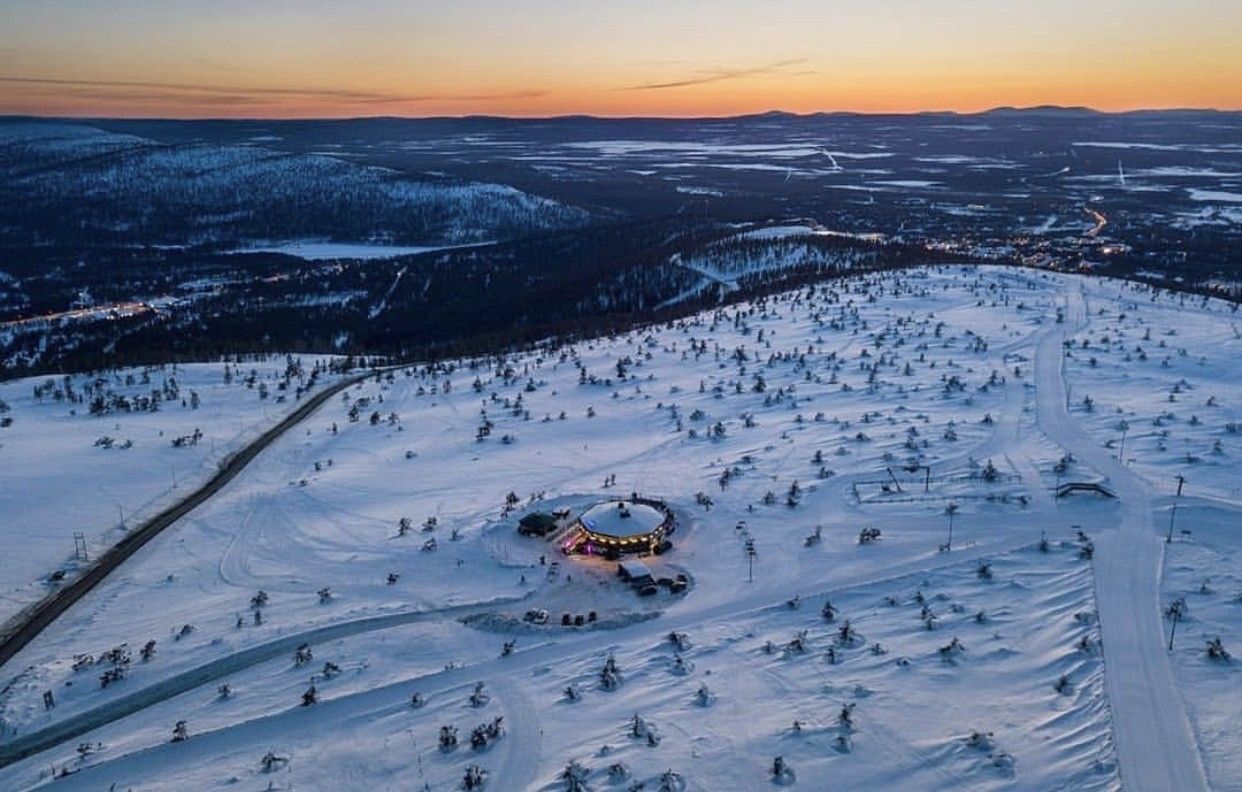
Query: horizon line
(1081, 109)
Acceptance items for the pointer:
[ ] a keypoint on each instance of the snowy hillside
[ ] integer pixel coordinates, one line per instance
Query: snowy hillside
(66, 183)
(773, 250)
(883, 589)
(112, 449)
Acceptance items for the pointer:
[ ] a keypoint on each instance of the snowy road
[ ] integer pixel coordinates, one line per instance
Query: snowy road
(214, 671)
(1155, 744)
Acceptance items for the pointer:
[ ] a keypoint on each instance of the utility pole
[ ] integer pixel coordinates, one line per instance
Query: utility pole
(1175, 612)
(1181, 480)
(750, 560)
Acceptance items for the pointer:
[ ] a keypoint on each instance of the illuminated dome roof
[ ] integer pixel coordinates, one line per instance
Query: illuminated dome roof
(622, 519)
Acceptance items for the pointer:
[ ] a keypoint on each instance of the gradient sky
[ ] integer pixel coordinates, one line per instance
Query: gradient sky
(274, 58)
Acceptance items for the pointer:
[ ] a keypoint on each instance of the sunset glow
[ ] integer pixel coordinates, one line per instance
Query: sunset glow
(381, 57)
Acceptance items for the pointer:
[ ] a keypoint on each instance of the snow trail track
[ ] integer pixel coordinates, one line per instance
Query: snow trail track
(1156, 746)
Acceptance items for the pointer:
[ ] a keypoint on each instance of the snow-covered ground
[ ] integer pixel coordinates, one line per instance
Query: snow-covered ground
(66, 469)
(1204, 569)
(1154, 380)
(930, 405)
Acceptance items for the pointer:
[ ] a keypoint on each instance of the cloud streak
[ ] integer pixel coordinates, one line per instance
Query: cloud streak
(723, 75)
(144, 91)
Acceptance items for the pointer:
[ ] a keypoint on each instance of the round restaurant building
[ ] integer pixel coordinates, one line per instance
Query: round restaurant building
(622, 526)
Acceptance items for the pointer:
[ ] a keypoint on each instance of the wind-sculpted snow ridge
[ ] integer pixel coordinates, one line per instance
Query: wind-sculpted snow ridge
(64, 183)
(920, 610)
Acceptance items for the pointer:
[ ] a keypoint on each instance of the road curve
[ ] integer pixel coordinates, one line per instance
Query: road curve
(25, 626)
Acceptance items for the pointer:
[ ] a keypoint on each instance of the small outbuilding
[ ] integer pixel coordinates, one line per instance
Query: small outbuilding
(541, 523)
(537, 524)
(636, 573)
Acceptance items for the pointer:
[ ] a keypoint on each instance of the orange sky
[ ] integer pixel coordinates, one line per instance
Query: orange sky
(314, 58)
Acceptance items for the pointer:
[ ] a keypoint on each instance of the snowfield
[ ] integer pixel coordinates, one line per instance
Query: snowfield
(921, 611)
(1204, 570)
(118, 463)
